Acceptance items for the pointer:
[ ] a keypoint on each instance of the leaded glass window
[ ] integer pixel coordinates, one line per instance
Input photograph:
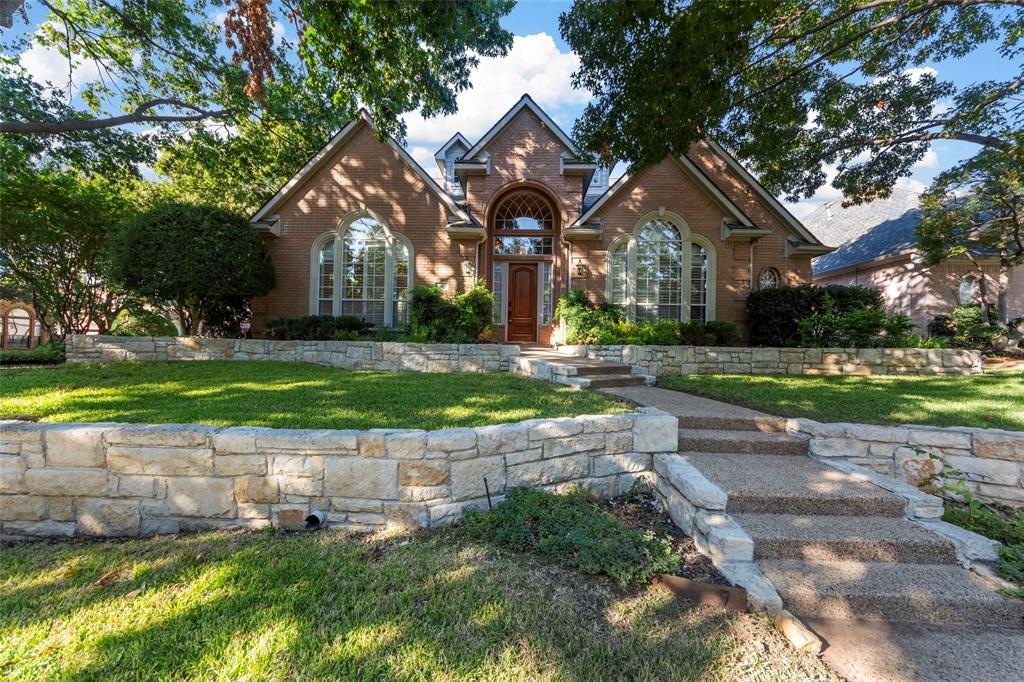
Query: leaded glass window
(524, 211)
(659, 272)
(325, 279)
(698, 282)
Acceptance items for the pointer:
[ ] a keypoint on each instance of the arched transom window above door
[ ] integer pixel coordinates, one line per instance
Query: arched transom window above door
(662, 272)
(362, 270)
(524, 225)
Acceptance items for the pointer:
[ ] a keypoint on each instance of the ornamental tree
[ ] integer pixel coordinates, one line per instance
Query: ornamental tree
(975, 210)
(792, 86)
(187, 260)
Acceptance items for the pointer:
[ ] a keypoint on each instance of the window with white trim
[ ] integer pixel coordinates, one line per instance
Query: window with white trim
(498, 289)
(662, 272)
(362, 270)
(769, 279)
(546, 294)
(969, 291)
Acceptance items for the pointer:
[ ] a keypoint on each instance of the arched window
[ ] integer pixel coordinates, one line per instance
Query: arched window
(524, 225)
(362, 270)
(969, 291)
(661, 272)
(19, 329)
(769, 279)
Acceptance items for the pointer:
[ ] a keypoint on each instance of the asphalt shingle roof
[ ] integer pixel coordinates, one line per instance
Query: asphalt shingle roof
(884, 227)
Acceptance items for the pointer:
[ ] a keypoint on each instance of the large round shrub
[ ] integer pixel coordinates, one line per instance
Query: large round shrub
(773, 314)
(186, 259)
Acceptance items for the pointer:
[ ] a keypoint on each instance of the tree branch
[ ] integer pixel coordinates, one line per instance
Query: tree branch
(137, 116)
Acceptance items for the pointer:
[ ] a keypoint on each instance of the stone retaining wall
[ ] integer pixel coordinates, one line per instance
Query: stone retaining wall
(991, 460)
(682, 360)
(364, 355)
(138, 479)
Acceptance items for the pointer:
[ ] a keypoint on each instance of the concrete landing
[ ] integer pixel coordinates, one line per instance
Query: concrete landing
(567, 370)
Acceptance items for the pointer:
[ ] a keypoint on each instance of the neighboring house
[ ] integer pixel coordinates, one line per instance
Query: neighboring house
(362, 223)
(20, 328)
(877, 248)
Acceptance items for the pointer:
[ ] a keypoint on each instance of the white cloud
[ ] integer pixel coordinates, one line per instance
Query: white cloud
(916, 73)
(534, 65)
(425, 158)
(911, 184)
(47, 65)
(929, 160)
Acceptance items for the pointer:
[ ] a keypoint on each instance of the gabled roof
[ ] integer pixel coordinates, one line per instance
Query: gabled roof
(327, 151)
(456, 139)
(691, 169)
(866, 232)
(525, 102)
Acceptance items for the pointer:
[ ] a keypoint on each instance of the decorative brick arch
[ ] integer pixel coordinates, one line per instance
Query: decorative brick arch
(9, 317)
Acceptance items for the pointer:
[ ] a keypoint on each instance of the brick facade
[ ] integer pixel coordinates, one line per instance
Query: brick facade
(362, 173)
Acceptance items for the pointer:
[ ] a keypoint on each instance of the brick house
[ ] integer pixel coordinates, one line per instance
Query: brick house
(362, 223)
(877, 248)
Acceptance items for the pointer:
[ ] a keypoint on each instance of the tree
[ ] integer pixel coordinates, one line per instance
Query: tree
(976, 210)
(792, 86)
(187, 260)
(162, 63)
(54, 247)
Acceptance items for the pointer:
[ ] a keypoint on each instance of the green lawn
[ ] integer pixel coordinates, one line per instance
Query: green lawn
(271, 606)
(987, 401)
(284, 395)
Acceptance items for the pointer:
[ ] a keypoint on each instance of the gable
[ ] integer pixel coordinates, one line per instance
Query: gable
(525, 103)
(335, 148)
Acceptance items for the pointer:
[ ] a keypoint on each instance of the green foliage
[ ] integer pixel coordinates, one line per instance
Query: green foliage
(435, 318)
(49, 353)
(792, 87)
(314, 328)
(1004, 524)
(54, 246)
(773, 314)
(965, 327)
(856, 328)
(142, 322)
(186, 259)
(976, 209)
(574, 531)
(711, 333)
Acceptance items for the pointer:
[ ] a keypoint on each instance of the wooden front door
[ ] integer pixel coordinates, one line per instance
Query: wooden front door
(522, 302)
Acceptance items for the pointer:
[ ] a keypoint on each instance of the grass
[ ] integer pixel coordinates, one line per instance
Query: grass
(284, 395)
(271, 606)
(986, 401)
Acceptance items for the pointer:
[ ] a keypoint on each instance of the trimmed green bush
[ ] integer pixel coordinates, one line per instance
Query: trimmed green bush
(965, 327)
(773, 314)
(436, 318)
(315, 328)
(50, 353)
(573, 530)
(711, 333)
(142, 322)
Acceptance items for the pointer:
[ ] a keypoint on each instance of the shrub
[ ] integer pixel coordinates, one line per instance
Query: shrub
(711, 333)
(1003, 524)
(574, 531)
(772, 314)
(49, 353)
(966, 328)
(142, 322)
(435, 318)
(314, 328)
(586, 323)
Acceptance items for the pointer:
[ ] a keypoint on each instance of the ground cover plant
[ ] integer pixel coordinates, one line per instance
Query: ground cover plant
(284, 395)
(992, 400)
(1000, 523)
(574, 531)
(50, 353)
(275, 606)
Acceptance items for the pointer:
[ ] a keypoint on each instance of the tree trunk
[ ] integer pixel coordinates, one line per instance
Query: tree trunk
(1004, 285)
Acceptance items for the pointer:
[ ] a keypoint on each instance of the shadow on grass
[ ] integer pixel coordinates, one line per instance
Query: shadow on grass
(284, 607)
(286, 395)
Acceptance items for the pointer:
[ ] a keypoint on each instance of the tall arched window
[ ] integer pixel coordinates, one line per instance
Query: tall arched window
(524, 224)
(661, 272)
(362, 270)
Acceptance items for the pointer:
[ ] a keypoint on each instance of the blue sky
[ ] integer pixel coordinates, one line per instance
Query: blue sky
(541, 64)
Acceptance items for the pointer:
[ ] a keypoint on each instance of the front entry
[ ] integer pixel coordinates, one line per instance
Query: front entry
(522, 302)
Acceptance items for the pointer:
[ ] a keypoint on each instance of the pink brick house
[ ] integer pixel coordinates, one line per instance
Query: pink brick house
(362, 223)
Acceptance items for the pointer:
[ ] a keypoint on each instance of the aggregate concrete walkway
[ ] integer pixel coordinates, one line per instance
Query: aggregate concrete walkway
(885, 594)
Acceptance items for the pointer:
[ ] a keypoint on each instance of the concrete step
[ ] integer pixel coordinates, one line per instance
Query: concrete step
(844, 538)
(774, 484)
(753, 442)
(614, 380)
(726, 423)
(921, 593)
(601, 370)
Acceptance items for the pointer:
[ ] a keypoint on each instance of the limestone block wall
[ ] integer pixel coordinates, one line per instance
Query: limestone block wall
(136, 479)
(364, 355)
(991, 461)
(682, 360)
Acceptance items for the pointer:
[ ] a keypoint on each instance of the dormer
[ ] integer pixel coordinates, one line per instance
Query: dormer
(450, 152)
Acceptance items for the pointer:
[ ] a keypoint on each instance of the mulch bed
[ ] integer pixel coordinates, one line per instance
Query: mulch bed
(642, 510)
